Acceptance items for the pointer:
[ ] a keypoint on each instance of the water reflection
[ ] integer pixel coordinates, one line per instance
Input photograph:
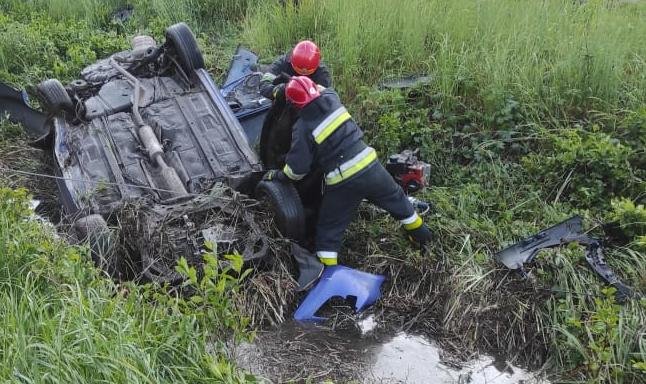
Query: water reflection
(295, 352)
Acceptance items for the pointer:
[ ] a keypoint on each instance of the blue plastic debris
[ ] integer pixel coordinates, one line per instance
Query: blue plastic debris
(340, 281)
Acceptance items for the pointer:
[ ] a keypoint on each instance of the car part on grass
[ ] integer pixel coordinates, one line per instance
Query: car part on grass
(286, 205)
(570, 230)
(310, 267)
(409, 172)
(404, 82)
(344, 282)
(422, 207)
(15, 105)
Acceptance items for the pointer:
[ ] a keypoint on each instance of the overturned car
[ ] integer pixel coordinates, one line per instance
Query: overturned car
(145, 136)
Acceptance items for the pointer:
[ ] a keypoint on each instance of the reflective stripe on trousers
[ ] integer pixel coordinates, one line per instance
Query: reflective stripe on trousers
(327, 257)
(412, 222)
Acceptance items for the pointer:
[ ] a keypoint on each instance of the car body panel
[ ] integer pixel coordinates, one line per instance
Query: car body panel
(14, 103)
(241, 90)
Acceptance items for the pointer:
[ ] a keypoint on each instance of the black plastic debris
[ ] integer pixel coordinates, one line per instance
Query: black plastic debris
(571, 230)
(123, 14)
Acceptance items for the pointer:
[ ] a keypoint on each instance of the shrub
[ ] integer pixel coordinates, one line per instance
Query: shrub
(63, 321)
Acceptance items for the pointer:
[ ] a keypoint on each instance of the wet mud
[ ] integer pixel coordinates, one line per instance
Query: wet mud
(366, 353)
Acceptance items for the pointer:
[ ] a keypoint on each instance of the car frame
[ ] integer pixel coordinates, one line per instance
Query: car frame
(149, 129)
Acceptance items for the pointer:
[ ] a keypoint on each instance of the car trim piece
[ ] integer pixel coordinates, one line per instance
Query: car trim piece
(568, 231)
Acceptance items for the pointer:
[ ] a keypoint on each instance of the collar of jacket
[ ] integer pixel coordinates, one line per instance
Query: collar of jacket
(321, 106)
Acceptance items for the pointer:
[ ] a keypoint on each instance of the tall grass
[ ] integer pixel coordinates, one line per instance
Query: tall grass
(94, 11)
(202, 15)
(62, 322)
(551, 55)
(588, 328)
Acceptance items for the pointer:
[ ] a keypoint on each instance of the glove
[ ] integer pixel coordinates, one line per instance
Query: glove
(279, 92)
(283, 78)
(276, 175)
(421, 236)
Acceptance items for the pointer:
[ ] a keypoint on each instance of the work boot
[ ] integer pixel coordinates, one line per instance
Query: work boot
(309, 267)
(420, 236)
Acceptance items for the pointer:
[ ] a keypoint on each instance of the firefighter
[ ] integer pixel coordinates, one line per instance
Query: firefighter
(326, 137)
(303, 60)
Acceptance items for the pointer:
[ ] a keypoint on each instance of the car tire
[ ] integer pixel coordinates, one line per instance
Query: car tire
(102, 241)
(54, 97)
(286, 205)
(183, 41)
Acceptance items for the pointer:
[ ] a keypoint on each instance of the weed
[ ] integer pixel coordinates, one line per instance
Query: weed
(554, 59)
(535, 112)
(62, 321)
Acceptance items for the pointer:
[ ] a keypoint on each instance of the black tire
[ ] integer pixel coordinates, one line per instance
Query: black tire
(286, 205)
(54, 97)
(183, 41)
(95, 231)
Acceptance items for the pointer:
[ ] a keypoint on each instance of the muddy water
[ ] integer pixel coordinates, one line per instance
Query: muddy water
(294, 352)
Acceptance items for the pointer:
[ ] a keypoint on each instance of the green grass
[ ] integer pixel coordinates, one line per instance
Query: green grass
(552, 56)
(535, 113)
(60, 321)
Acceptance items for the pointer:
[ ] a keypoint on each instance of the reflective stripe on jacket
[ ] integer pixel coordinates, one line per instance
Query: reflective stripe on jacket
(326, 137)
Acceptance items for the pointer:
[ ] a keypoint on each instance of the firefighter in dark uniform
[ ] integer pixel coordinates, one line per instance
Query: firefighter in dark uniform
(303, 60)
(326, 137)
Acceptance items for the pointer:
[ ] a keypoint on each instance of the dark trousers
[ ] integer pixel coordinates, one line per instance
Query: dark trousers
(340, 203)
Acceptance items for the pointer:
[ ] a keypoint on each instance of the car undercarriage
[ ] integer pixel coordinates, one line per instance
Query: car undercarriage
(152, 157)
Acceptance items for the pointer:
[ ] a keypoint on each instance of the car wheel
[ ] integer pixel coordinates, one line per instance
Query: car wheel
(183, 41)
(95, 231)
(286, 205)
(54, 96)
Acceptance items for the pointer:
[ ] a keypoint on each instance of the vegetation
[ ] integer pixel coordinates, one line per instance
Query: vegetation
(64, 322)
(536, 111)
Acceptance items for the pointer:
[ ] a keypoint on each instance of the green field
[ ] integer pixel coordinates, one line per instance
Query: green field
(536, 111)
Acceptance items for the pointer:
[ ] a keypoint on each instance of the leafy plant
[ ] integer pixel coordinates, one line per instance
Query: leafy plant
(64, 321)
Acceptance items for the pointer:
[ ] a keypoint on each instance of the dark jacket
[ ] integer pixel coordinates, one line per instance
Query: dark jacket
(283, 65)
(324, 136)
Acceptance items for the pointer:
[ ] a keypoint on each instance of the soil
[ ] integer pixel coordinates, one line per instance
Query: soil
(366, 353)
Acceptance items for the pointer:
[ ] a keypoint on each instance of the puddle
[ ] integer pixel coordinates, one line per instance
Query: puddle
(413, 359)
(293, 352)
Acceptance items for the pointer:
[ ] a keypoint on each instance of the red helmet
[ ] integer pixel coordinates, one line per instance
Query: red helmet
(306, 57)
(301, 90)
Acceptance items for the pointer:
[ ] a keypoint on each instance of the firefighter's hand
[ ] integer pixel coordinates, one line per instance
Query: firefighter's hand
(278, 92)
(276, 175)
(283, 78)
